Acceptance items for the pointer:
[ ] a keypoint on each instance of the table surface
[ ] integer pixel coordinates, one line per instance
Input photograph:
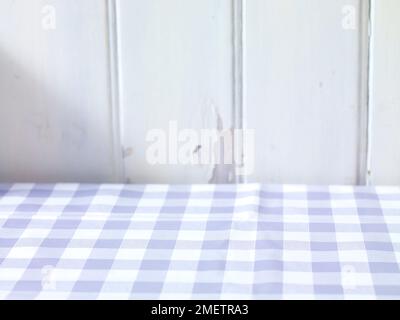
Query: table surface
(248, 241)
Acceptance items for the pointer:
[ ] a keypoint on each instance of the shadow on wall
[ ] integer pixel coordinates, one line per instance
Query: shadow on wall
(44, 136)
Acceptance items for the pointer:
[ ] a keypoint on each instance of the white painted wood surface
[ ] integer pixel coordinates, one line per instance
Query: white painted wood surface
(302, 91)
(54, 88)
(385, 147)
(76, 100)
(175, 65)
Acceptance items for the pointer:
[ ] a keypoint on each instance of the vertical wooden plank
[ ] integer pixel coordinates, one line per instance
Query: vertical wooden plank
(114, 91)
(364, 146)
(238, 81)
(303, 90)
(175, 66)
(385, 148)
(54, 85)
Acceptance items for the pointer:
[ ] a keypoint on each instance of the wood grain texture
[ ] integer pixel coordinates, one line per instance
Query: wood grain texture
(303, 91)
(385, 148)
(54, 87)
(175, 65)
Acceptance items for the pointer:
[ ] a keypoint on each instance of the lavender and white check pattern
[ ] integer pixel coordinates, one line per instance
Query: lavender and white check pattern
(250, 241)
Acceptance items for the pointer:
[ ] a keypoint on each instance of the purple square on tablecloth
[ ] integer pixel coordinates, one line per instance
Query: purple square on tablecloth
(268, 288)
(225, 209)
(224, 195)
(387, 290)
(318, 196)
(28, 208)
(39, 263)
(374, 227)
(167, 225)
(24, 285)
(54, 243)
(98, 264)
(271, 195)
(328, 289)
(210, 288)
(322, 227)
(161, 244)
(16, 223)
(66, 224)
(147, 287)
(218, 225)
(155, 265)
(131, 194)
(177, 195)
(326, 267)
(323, 246)
(384, 267)
(124, 209)
(7, 243)
(215, 244)
(88, 286)
(264, 265)
(362, 211)
(319, 211)
(366, 196)
(208, 265)
(108, 243)
(76, 208)
(116, 225)
(40, 193)
(379, 246)
(269, 244)
(173, 209)
(85, 193)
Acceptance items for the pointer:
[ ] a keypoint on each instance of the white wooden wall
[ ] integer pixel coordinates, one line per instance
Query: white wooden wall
(175, 65)
(385, 147)
(303, 90)
(77, 101)
(55, 116)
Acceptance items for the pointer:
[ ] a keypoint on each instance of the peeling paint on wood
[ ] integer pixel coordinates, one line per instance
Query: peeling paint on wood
(221, 172)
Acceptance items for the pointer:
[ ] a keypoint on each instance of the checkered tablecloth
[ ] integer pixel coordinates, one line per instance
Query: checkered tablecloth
(250, 241)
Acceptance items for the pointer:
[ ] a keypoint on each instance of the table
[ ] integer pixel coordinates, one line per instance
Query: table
(245, 241)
